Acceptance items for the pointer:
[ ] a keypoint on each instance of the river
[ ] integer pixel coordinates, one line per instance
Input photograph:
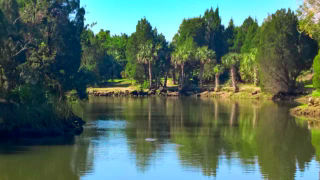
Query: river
(172, 138)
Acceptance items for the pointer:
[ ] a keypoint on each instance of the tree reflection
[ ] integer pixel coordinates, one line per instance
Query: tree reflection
(58, 159)
(206, 131)
(254, 132)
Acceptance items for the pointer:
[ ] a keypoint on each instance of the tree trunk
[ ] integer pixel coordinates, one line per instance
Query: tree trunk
(256, 79)
(234, 115)
(150, 75)
(201, 76)
(182, 76)
(216, 110)
(217, 81)
(165, 80)
(174, 78)
(233, 78)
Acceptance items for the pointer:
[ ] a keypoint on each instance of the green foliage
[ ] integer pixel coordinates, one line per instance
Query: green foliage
(144, 46)
(283, 52)
(218, 69)
(245, 38)
(185, 52)
(145, 53)
(40, 59)
(316, 93)
(309, 18)
(316, 69)
(192, 28)
(205, 55)
(95, 57)
(214, 34)
(230, 34)
(183, 56)
(247, 65)
(144, 85)
(209, 73)
(231, 59)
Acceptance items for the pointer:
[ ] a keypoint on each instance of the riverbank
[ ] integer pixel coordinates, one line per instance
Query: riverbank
(309, 108)
(245, 92)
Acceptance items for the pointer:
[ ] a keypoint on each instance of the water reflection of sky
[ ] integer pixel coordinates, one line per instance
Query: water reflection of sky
(113, 160)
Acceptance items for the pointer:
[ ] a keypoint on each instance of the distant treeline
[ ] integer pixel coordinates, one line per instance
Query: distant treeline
(272, 55)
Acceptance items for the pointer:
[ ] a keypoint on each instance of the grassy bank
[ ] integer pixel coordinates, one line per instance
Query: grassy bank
(117, 85)
(310, 106)
(246, 91)
(126, 87)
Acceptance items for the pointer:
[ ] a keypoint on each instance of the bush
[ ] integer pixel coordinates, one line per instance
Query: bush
(316, 68)
(145, 85)
(32, 111)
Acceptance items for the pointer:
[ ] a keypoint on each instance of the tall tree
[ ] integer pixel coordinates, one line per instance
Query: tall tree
(163, 60)
(283, 52)
(204, 56)
(214, 32)
(144, 33)
(194, 28)
(249, 67)
(182, 55)
(218, 70)
(40, 60)
(230, 35)
(147, 54)
(244, 39)
(231, 61)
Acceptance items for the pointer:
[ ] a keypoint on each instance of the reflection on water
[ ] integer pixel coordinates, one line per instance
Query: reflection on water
(187, 138)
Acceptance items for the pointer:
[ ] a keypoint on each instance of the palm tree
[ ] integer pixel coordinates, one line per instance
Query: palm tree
(249, 65)
(147, 54)
(183, 54)
(204, 55)
(218, 70)
(231, 60)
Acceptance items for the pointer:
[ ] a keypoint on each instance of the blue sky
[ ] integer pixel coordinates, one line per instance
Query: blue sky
(121, 16)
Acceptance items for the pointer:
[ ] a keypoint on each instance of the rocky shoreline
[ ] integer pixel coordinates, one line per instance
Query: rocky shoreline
(136, 93)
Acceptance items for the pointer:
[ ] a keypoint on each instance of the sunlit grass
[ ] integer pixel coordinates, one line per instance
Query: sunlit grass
(309, 86)
(316, 93)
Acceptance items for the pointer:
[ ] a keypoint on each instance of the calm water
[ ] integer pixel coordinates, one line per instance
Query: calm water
(157, 138)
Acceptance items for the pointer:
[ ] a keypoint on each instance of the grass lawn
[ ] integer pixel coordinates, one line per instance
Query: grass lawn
(316, 93)
(116, 85)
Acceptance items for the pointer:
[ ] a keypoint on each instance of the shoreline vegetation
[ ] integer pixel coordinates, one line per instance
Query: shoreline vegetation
(307, 104)
(38, 121)
(49, 58)
(120, 88)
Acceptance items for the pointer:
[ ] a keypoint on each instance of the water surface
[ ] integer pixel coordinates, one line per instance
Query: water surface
(173, 138)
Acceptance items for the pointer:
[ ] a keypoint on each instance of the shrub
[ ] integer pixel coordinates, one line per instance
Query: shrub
(316, 68)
